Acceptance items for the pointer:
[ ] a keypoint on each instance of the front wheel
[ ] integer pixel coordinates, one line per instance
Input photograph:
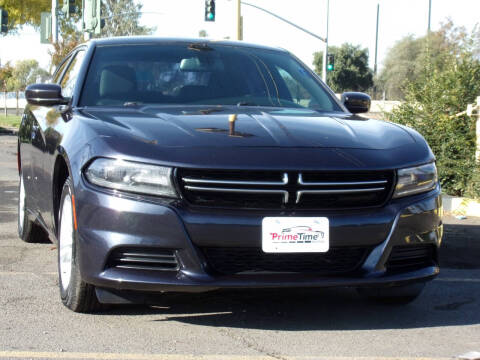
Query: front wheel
(74, 292)
(395, 295)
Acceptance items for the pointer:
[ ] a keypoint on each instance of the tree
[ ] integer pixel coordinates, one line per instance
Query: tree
(122, 19)
(202, 34)
(24, 73)
(441, 90)
(24, 12)
(69, 38)
(405, 61)
(5, 76)
(351, 68)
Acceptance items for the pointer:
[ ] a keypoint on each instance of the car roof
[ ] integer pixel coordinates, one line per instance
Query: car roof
(135, 40)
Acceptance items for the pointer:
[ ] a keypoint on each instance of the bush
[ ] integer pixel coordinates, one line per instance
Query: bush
(431, 103)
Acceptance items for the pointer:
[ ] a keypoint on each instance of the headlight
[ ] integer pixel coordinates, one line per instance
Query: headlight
(131, 176)
(416, 180)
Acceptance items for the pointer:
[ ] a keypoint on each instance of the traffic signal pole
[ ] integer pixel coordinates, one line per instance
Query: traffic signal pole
(325, 50)
(324, 39)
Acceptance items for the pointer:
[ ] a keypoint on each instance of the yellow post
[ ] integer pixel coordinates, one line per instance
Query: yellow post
(239, 21)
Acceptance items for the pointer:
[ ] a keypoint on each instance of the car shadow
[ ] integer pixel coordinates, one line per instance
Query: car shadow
(443, 303)
(450, 300)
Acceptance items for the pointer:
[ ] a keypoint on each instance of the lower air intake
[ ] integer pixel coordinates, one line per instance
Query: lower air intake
(233, 260)
(412, 257)
(143, 259)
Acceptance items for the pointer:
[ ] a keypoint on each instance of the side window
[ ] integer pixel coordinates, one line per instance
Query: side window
(70, 78)
(59, 71)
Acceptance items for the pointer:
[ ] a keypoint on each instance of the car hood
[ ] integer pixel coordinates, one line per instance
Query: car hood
(227, 127)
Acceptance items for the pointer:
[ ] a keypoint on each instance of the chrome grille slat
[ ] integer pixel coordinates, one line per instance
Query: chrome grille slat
(248, 191)
(345, 183)
(252, 189)
(237, 182)
(300, 193)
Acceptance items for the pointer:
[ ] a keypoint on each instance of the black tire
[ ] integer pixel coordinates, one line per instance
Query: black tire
(395, 295)
(28, 231)
(76, 294)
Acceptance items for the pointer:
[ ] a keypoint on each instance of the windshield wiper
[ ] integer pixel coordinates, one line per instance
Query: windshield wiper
(200, 47)
(246, 103)
(131, 104)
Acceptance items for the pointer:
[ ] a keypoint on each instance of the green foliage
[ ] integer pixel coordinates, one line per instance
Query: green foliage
(70, 37)
(26, 72)
(10, 121)
(122, 19)
(24, 12)
(5, 76)
(405, 61)
(351, 68)
(442, 90)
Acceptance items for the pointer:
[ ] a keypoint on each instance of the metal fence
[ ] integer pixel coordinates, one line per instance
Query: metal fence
(11, 101)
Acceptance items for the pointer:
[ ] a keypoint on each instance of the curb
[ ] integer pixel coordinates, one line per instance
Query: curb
(8, 131)
(460, 206)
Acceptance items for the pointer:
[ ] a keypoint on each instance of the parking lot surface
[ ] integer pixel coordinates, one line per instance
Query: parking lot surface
(297, 324)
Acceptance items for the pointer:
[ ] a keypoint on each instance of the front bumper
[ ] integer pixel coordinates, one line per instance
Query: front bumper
(108, 221)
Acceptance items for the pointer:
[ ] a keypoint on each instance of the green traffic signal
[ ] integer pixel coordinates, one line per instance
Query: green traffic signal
(209, 10)
(330, 62)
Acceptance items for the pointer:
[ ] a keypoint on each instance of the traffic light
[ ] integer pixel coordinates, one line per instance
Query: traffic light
(3, 21)
(92, 16)
(330, 62)
(69, 7)
(209, 10)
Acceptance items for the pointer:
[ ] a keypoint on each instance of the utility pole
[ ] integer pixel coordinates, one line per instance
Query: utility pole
(376, 41)
(429, 15)
(54, 21)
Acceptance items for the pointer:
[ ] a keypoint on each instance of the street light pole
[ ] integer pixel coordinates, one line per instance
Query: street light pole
(429, 14)
(376, 41)
(325, 50)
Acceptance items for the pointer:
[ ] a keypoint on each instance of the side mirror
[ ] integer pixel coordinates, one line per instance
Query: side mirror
(356, 102)
(45, 95)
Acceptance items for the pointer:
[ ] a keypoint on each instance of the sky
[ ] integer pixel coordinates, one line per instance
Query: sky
(351, 21)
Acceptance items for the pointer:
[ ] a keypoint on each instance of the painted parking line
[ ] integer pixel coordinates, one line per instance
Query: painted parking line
(119, 356)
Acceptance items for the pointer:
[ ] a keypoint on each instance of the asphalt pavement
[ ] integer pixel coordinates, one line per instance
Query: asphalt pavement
(251, 325)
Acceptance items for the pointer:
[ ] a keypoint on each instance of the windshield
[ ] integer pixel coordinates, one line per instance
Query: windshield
(203, 74)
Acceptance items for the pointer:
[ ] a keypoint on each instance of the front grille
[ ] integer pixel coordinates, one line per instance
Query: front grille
(234, 260)
(411, 257)
(285, 190)
(144, 258)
